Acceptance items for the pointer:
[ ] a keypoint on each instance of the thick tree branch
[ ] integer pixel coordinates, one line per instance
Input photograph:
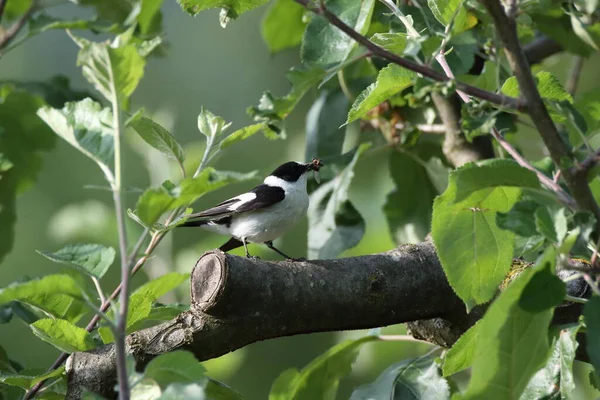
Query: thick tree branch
(237, 301)
(499, 99)
(558, 150)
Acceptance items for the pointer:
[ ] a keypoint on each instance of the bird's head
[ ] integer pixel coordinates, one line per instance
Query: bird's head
(292, 171)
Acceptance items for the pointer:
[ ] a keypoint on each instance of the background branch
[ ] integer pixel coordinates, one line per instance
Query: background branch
(456, 148)
(541, 48)
(558, 150)
(236, 301)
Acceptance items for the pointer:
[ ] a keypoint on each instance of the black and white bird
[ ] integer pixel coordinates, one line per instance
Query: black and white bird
(264, 213)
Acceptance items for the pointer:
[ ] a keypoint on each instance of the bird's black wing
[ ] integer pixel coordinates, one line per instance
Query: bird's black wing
(264, 196)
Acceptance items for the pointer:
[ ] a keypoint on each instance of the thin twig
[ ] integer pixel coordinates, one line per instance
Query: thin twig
(99, 289)
(536, 108)
(11, 32)
(575, 73)
(401, 338)
(575, 299)
(498, 99)
(120, 331)
(563, 196)
(155, 240)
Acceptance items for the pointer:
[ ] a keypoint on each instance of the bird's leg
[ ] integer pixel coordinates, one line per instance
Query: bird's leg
(247, 253)
(281, 253)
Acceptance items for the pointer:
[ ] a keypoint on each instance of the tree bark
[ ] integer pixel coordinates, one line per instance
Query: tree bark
(236, 301)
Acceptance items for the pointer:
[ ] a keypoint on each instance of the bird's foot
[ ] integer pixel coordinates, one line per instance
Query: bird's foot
(299, 259)
(252, 257)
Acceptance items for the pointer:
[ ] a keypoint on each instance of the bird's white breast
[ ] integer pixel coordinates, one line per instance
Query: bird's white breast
(271, 222)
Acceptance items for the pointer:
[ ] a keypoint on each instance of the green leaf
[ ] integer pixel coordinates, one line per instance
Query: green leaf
(552, 223)
(149, 16)
(15, 9)
(57, 295)
(508, 335)
(234, 8)
(557, 375)
(460, 356)
(591, 314)
(493, 174)
(159, 138)
(520, 219)
(321, 376)
(409, 217)
(211, 125)
(549, 87)
(390, 81)
(63, 335)
(282, 26)
(334, 223)
(475, 253)
(27, 379)
(394, 42)
(90, 259)
(452, 12)
(114, 71)
(324, 44)
(585, 32)
(417, 378)
(138, 309)
(176, 367)
(43, 22)
(274, 109)
(164, 284)
(241, 134)
(323, 134)
(86, 126)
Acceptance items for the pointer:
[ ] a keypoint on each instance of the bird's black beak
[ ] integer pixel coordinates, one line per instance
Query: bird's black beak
(315, 165)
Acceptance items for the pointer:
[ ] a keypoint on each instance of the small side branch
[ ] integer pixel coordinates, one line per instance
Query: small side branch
(498, 99)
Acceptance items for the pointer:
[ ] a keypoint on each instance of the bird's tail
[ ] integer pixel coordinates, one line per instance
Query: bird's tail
(231, 244)
(195, 223)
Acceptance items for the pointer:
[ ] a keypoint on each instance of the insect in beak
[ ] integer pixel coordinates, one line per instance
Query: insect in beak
(316, 165)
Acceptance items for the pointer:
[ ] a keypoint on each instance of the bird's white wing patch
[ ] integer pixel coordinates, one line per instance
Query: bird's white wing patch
(243, 198)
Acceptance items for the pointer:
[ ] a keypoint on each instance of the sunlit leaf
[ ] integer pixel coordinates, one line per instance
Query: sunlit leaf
(26, 379)
(90, 259)
(86, 126)
(390, 81)
(460, 356)
(452, 12)
(159, 138)
(509, 334)
(241, 134)
(475, 253)
(63, 335)
(114, 71)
